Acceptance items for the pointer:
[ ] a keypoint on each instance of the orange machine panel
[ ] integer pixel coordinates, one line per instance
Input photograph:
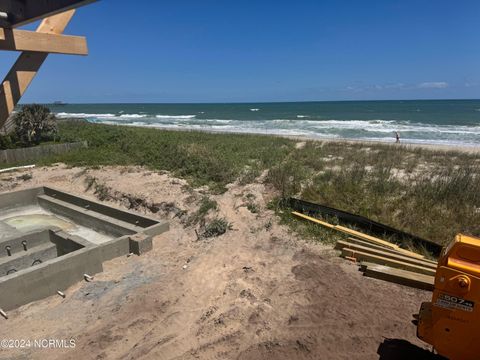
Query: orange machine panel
(451, 322)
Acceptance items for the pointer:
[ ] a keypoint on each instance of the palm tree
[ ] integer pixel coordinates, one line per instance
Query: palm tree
(35, 122)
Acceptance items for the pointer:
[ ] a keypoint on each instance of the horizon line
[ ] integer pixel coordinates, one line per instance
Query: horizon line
(241, 102)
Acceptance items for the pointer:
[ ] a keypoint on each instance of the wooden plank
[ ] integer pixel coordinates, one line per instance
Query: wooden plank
(373, 239)
(22, 40)
(364, 256)
(398, 276)
(316, 221)
(26, 67)
(375, 228)
(386, 254)
(358, 234)
(379, 247)
(368, 243)
(21, 12)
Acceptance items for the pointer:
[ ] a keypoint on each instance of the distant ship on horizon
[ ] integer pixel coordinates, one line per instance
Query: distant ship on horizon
(59, 103)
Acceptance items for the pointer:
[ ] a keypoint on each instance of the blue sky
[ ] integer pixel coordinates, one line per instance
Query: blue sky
(263, 50)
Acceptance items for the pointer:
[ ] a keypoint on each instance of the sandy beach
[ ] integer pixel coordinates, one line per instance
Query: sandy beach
(257, 292)
(245, 180)
(269, 287)
(411, 145)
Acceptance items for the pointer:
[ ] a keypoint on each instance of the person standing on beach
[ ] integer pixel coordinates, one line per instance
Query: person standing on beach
(397, 137)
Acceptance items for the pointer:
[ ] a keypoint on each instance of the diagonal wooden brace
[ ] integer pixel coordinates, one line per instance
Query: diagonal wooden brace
(27, 65)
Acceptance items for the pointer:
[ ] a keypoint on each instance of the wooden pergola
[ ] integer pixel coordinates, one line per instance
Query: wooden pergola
(34, 45)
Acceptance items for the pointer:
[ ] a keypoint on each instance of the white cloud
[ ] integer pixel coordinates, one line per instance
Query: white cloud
(398, 86)
(395, 86)
(376, 87)
(433, 85)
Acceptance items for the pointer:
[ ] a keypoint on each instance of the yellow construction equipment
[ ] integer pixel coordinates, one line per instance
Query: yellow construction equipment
(451, 322)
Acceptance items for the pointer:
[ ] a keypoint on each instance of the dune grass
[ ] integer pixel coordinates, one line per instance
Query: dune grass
(201, 158)
(431, 194)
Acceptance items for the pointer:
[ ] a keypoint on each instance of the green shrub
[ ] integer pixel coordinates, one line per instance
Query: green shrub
(7, 142)
(216, 228)
(206, 204)
(34, 123)
(287, 177)
(253, 208)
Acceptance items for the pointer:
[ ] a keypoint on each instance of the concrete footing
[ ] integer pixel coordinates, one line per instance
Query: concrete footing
(39, 264)
(140, 244)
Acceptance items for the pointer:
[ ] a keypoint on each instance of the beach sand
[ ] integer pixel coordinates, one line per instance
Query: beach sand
(431, 147)
(256, 292)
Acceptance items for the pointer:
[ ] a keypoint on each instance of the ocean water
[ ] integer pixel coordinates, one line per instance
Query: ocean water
(448, 122)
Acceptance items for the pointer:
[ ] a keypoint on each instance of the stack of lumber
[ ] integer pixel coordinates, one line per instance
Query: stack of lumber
(389, 264)
(381, 259)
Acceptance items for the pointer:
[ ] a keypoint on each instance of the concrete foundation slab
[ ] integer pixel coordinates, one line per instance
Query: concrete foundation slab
(54, 255)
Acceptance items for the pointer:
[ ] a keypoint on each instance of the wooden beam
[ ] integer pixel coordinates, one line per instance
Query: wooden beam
(368, 243)
(373, 239)
(21, 12)
(382, 248)
(22, 40)
(398, 276)
(316, 221)
(381, 260)
(385, 254)
(26, 67)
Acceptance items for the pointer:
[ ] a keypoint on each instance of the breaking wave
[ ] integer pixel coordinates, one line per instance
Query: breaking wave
(175, 116)
(303, 125)
(83, 115)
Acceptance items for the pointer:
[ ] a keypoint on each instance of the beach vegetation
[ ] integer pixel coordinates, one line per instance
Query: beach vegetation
(431, 193)
(201, 158)
(35, 123)
(216, 227)
(206, 205)
(253, 208)
(7, 142)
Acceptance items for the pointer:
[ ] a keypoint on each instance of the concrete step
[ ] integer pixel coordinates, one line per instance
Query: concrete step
(117, 213)
(8, 232)
(24, 259)
(88, 218)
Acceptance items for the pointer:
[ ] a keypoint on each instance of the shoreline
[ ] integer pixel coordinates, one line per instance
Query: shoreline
(472, 149)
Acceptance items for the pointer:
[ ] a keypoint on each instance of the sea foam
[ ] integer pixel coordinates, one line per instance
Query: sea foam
(299, 125)
(175, 116)
(84, 115)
